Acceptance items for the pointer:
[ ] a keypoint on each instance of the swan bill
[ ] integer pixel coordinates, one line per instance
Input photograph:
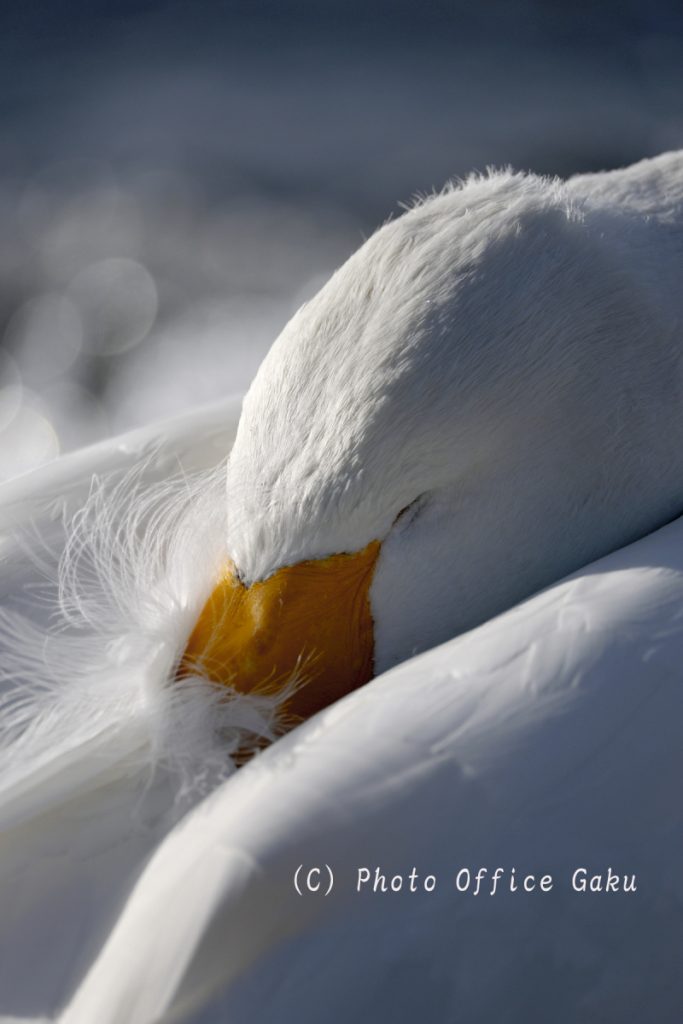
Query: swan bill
(310, 623)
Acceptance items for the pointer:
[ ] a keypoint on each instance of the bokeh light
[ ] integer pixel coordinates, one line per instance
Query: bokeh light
(45, 335)
(117, 300)
(176, 179)
(27, 441)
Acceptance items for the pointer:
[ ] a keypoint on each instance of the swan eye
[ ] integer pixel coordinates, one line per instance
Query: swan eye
(409, 513)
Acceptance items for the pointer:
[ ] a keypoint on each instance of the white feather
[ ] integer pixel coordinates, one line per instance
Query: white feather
(94, 727)
(98, 686)
(506, 359)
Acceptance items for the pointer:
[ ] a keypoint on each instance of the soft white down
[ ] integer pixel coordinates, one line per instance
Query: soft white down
(505, 363)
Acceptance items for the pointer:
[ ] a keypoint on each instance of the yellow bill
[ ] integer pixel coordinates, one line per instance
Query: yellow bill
(312, 619)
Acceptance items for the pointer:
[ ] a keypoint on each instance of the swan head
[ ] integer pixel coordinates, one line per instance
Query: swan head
(442, 430)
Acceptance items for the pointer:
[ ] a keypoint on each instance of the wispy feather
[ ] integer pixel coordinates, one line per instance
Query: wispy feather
(93, 697)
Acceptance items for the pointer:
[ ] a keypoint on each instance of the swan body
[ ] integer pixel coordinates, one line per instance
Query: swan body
(546, 740)
(489, 389)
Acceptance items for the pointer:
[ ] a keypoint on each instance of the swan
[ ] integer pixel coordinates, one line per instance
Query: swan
(485, 397)
(483, 400)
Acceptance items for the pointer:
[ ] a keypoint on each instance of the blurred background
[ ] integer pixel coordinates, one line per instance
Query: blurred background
(177, 178)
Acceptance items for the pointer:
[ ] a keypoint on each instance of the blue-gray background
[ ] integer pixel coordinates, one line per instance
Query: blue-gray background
(175, 179)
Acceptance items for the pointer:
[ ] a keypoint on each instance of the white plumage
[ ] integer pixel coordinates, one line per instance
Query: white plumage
(505, 361)
(546, 740)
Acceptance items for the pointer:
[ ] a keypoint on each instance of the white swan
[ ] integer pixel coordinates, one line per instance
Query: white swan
(489, 391)
(483, 398)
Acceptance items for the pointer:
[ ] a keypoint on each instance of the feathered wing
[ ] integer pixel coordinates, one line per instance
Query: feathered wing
(546, 740)
(107, 557)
